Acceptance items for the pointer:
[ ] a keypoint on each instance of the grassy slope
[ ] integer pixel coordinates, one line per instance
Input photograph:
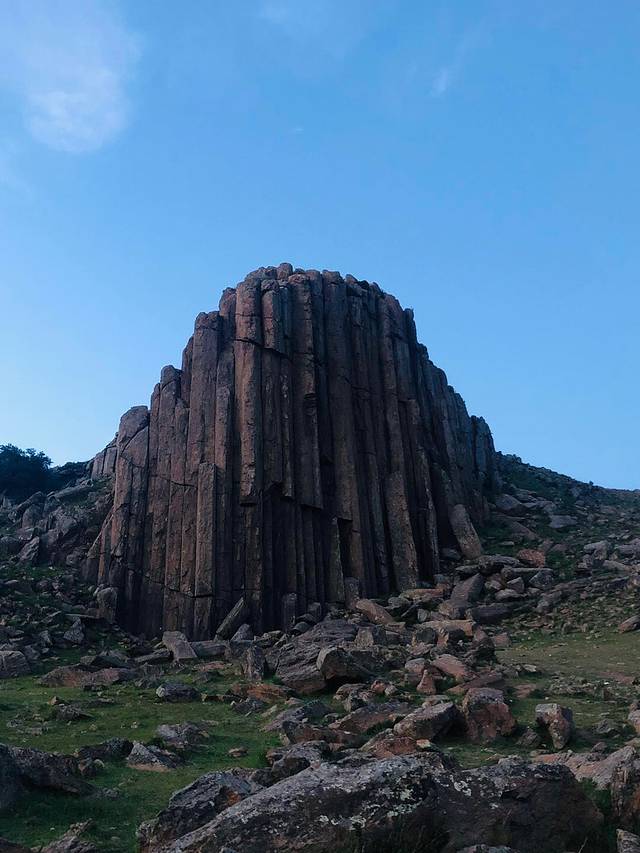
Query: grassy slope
(137, 795)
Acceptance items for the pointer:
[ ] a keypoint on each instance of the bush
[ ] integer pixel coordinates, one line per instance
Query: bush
(23, 472)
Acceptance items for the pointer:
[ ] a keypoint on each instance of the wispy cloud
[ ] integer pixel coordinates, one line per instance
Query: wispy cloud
(67, 64)
(333, 27)
(447, 74)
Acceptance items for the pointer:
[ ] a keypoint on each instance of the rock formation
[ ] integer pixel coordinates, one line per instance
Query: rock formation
(307, 451)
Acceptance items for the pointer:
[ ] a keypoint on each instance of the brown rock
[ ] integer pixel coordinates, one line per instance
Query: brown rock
(630, 624)
(430, 722)
(194, 806)
(487, 715)
(453, 667)
(531, 557)
(364, 720)
(375, 612)
(72, 841)
(558, 721)
(179, 646)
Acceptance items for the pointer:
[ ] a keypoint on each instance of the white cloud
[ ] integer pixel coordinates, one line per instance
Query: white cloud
(68, 64)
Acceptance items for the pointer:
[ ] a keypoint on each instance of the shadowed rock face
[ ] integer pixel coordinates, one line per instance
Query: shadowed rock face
(307, 441)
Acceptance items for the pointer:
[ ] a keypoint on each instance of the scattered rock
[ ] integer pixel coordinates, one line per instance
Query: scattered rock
(558, 721)
(49, 770)
(630, 624)
(177, 691)
(179, 646)
(13, 664)
(486, 715)
(72, 841)
(429, 723)
(148, 757)
(627, 842)
(194, 806)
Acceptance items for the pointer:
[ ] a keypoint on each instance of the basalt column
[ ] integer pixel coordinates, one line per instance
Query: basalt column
(307, 440)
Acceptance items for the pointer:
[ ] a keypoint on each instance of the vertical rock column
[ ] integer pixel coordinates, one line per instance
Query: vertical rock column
(123, 570)
(307, 447)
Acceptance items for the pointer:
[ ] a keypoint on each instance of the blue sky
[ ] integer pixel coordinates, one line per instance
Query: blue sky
(479, 160)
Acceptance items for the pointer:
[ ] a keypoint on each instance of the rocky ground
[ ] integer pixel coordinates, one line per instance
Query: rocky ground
(498, 709)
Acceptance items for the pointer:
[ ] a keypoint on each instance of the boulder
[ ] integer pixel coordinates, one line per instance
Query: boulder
(532, 557)
(72, 841)
(625, 792)
(294, 663)
(562, 522)
(387, 743)
(429, 723)
(465, 532)
(453, 667)
(338, 665)
(194, 806)
(463, 595)
(374, 612)
(179, 646)
(286, 761)
(10, 785)
(78, 676)
(181, 736)
(30, 552)
(75, 634)
(377, 804)
(374, 716)
(490, 614)
(7, 846)
(558, 721)
(152, 758)
(177, 691)
(593, 767)
(304, 713)
(487, 715)
(509, 504)
(544, 579)
(13, 664)
(209, 648)
(107, 601)
(627, 842)
(630, 624)
(49, 770)
(233, 620)
(254, 663)
(108, 750)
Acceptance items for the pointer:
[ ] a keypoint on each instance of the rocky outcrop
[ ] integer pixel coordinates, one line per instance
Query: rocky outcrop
(307, 448)
(420, 802)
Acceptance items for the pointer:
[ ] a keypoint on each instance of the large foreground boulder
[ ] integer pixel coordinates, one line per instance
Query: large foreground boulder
(425, 800)
(49, 770)
(10, 787)
(195, 805)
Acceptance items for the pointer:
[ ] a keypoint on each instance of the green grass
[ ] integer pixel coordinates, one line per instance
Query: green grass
(612, 654)
(134, 714)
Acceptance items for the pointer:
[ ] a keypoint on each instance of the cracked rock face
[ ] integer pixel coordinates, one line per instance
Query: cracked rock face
(307, 448)
(367, 804)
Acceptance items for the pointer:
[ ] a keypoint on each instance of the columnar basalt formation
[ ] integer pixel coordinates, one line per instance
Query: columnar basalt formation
(307, 448)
